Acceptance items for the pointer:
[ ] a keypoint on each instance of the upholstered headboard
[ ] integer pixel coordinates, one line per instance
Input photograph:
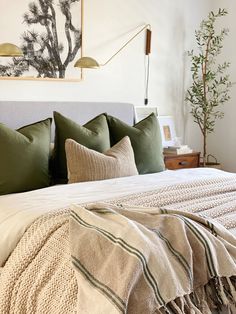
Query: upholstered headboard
(19, 113)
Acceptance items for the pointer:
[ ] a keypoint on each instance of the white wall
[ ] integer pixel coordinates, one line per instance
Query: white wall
(107, 25)
(223, 142)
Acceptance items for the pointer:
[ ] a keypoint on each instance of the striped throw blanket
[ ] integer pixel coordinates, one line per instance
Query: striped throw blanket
(134, 260)
(194, 260)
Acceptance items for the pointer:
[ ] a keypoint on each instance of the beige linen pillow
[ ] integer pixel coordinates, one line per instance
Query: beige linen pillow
(84, 164)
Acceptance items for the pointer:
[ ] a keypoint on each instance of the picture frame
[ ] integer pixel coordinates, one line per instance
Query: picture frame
(141, 112)
(51, 42)
(167, 128)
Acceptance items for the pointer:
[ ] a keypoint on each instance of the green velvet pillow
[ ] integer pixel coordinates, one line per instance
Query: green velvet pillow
(94, 135)
(145, 138)
(24, 157)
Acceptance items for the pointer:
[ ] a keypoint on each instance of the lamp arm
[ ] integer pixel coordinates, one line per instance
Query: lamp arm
(147, 26)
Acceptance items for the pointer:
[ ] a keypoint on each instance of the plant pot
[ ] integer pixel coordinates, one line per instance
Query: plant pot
(215, 165)
(211, 164)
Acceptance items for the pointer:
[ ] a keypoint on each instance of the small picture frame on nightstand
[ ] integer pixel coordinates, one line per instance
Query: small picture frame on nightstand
(167, 127)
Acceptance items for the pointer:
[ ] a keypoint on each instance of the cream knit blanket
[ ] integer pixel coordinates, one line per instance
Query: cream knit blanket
(214, 198)
(39, 277)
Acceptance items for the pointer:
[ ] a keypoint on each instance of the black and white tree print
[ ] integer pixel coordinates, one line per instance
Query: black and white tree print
(43, 49)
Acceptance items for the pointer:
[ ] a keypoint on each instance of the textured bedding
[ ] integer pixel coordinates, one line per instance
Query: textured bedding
(19, 210)
(39, 276)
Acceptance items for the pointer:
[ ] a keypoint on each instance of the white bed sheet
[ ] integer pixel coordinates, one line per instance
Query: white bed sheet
(18, 211)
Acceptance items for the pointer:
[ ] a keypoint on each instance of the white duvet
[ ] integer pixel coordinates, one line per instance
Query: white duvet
(18, 211)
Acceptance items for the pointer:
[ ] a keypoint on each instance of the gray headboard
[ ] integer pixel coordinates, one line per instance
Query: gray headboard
(19, 113)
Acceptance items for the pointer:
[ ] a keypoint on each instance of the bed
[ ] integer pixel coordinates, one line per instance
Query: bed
(160, 242)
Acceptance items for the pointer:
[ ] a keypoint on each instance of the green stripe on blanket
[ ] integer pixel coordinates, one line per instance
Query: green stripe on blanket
(103, 288)
(130, 249)
(146, 260)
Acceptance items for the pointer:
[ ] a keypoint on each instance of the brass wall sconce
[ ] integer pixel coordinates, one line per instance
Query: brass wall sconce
(91, 63)
(10, 50)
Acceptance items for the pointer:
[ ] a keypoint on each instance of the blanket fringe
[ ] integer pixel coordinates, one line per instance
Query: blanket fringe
(217, 294)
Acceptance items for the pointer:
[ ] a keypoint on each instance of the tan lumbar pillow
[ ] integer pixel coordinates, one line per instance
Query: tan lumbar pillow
(84, 164)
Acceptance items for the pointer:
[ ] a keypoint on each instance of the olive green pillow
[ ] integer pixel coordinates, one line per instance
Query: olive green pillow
(94, 135)
(145, 138)
(24, 157)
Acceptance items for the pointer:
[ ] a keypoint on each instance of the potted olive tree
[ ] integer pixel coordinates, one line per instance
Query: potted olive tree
(210, 85)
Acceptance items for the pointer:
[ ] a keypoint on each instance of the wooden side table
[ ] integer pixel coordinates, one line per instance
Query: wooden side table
(173, 162)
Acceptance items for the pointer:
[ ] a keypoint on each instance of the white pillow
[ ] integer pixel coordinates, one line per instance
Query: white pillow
(84, 164)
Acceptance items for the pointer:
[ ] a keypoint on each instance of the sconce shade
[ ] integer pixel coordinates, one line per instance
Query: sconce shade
(86, 62)
(10, 50)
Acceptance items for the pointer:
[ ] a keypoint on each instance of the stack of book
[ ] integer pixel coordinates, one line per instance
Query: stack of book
(177, 150)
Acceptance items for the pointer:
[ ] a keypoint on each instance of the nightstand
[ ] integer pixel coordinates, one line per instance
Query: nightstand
(173, 162)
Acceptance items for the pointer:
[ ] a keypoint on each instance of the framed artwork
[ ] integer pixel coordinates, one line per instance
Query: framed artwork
(49, 33)
(167, 128)
(142, 112)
